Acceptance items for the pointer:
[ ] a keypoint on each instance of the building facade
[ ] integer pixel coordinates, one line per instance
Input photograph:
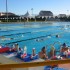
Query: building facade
(61, 15)
(45, 14)
(4, 13)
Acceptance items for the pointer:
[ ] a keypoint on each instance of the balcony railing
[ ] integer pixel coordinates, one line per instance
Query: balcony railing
(34, 64)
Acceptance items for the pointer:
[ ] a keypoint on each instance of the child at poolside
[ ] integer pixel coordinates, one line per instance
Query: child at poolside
(0, 46)
(64, 50)
(24, 53)
(43, 54)
(20, 50)
(15, 47)
(52, 52)
(34, 55)
(69, 51)
(33, 52)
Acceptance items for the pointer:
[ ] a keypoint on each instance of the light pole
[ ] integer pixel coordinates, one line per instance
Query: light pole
(32, 11)
(7, 10)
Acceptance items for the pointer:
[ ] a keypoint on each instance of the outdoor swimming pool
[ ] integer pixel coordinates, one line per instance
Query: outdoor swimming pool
(35, 35)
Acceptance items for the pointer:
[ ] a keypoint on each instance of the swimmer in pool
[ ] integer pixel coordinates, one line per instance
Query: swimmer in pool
(39, 40)
(57, 36)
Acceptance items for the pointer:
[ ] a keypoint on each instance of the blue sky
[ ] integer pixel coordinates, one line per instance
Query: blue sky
(21, 6)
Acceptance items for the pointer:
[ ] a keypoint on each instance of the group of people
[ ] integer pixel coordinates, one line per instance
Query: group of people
(44, 55)
(64, 50)
(23, 51)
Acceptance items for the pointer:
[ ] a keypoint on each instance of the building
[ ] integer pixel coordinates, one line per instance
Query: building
(62, 15)
(10, 15)
(26, 14)
(10, 18)
(4, 13)
(45, 14)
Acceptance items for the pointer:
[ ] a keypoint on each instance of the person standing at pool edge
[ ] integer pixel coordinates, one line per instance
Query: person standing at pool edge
(43, 54)
(25, 50)
(15, 47)
(0, 46)
(33, 53)
(52, 51)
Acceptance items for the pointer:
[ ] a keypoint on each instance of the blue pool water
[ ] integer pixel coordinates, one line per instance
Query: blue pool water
(35, 35)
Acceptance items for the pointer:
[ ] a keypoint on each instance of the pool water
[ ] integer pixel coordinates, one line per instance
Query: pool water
(35, 35)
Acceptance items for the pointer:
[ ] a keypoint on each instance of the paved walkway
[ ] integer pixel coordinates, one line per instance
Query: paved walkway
(67, 66)
(37, 68)
(5, 60)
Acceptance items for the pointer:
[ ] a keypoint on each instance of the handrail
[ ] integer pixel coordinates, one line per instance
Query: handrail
(35, 64)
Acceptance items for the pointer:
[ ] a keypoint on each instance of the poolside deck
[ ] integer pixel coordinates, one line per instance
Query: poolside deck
(37, 68)
(5, 60)
(67, 66)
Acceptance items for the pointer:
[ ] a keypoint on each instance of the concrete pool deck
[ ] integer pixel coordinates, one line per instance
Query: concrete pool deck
(5, 60)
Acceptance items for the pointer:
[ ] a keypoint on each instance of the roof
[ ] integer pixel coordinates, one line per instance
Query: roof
(45, 13)
(62, 15)
(27, 14)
